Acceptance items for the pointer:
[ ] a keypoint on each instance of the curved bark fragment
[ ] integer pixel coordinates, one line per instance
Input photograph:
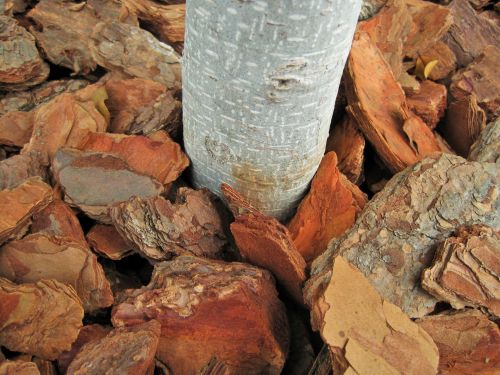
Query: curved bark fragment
(19, 168)
(205, 308)
(18, 368)
(395, 236)
(42, 319)
(106, 241)
(487, 147)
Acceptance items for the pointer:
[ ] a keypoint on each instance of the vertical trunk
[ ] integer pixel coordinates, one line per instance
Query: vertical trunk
(260, 79)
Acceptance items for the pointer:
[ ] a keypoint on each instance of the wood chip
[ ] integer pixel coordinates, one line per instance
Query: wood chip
(106, 241)
(18, 368)
(16, 128)
(487, 147)
(193, 298)
(429, 103)
(19, 168)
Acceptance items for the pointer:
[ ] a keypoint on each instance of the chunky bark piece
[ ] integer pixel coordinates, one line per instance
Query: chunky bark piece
(163, 161)
(468, 342)
(94, 181)
(205, 308)
(40, 256)
(447, 62)
(327, 211)
(429, 103)
(65, 29)
(89, 333)
(378, 104)
(126, 350)
(349, 145)
(161, 229)
(465, 270)
(365, 333)
(237, 204)
(481, 77)
(18, 204)
(21, 65)
(135, 52)
(58, 219)
(487, 147)
(106, 241)
(18, 368)
(19, 168)
(370, 7)
(396, 235)
(42, 319)
(16, 128)
(264, 242)
(141, 106)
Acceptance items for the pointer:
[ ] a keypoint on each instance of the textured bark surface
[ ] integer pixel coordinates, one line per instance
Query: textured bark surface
(16, 128)
(193, 298)
(429, 103)
(42, 319)
(127, 351)
(18, 204)
(135, 52)
(271, 71)
(40, 256)
(141, 106)
(93, 181)
(19, 168)
(465, 270)
(106, 241)
(370, 7)
(161, 229)
(266, 243)
(21, 65)
(327, 211)
(378, 104)
(468, 342)
(18, 368)
(365, 333)
(487, 147)
(395, 237)
(163, 161)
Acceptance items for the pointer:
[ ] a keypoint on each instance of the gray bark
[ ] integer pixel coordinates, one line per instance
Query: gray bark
(259, 85)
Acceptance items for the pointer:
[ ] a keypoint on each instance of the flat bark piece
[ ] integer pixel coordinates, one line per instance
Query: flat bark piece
(367, 334)
(16, 128)
(106, 241)
(205, 308)
(164, 161)
(396, 235)
(161, 229)
(266, 243)
(469, 34)
(40, 256)
(447, 62)
(349, 145)
(63, 30)
(487, 147)
(466, 270)
(388, 31)
(326, 212)
(21, 65)
(141, 106)
(93, 181)
(18, 368)
(58, 219)
(468, 342)
(429, 103)
(125, 350)
(378, 105)
(464, 122)
(236, 202)
(18, 168)
(481, 77)
(135, 52)
(41, 319)
(18, 204)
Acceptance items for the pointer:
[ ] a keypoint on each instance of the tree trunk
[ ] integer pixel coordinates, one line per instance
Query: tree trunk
(259, 85)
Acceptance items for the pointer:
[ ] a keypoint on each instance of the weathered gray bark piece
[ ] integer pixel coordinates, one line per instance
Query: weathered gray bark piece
(487, 147)
(370, 7)
(395, 237)
(259, 87)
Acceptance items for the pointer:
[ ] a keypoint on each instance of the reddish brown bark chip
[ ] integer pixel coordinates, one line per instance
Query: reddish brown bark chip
(468, 342)
(378, 104)
(42, 319)
(465, 270)
(16, 128)
(206, 309)
(126, 350)
(18, 204)
(237, 204)
(93, 181)
(18, 168)
(163, 161)
(429, 103)
(487, 147)
(327, 211)
(18, 368)
(106, 241)
(161, 229)
(40, 256)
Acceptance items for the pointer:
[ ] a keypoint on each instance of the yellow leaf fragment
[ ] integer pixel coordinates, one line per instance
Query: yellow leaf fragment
(423, 69)
(98, 98)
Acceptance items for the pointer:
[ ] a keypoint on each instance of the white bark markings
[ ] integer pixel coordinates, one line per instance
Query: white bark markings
(259, 85)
